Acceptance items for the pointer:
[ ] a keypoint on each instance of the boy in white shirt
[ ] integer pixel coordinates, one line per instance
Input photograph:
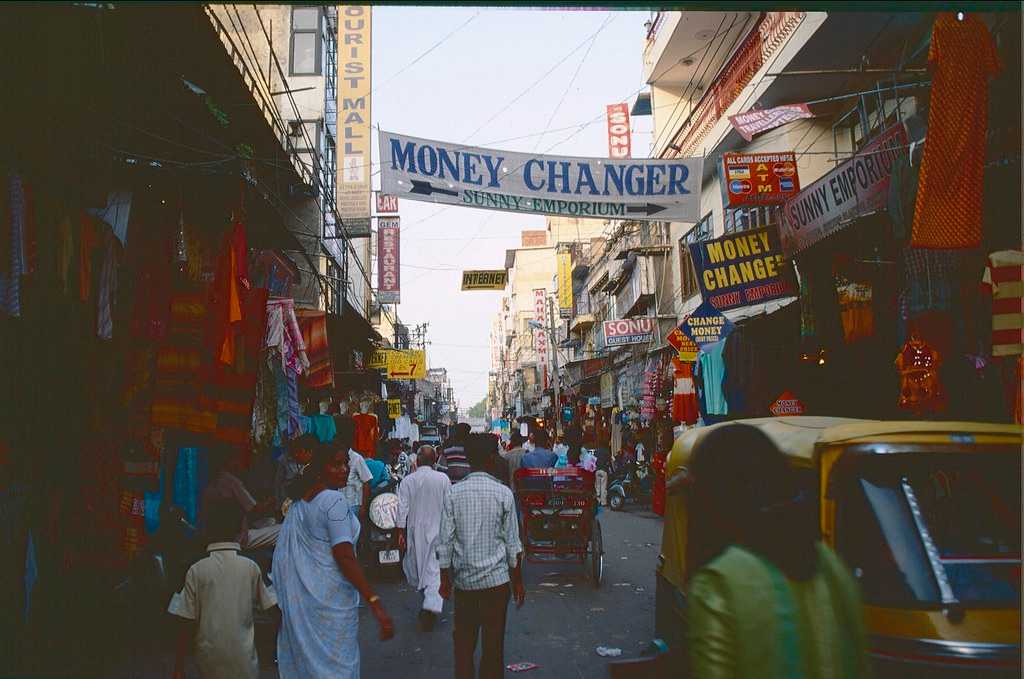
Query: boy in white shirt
(217, 603)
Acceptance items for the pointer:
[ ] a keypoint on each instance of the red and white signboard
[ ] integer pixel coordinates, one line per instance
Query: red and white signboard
(628, 331)
(387, 261)
(540, 338)
(755, 122)
(787, 405)
(387, 204)
(620, 144)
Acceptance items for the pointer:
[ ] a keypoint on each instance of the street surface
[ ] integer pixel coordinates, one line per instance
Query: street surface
(562, 623)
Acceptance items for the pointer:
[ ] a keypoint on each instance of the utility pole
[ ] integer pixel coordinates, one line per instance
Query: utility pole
(554, 363)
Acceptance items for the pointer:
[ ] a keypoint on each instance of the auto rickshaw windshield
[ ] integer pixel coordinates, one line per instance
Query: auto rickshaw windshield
(930, 529)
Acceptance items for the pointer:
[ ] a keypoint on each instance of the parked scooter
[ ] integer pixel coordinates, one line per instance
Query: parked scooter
(633, 483)
(385, 554)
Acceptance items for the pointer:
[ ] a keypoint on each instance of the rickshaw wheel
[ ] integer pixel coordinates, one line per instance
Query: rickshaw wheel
(596, 552)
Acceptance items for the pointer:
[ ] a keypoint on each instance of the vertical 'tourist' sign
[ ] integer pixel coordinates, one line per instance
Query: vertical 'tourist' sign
(388, 268)
(620, 143)
(354, 119)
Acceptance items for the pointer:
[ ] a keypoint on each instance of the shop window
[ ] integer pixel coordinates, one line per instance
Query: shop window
(755, 217)
(702, 231)
(305, 41)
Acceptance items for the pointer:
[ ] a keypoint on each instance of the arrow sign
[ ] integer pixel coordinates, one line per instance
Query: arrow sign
(666, 189)
(647, 209)
(426, 188)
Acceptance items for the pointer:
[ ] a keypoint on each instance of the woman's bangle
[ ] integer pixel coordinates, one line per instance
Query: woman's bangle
(373, 599)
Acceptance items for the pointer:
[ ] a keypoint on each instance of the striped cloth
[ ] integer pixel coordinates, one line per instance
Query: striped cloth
(1002, 279)
(684, 396)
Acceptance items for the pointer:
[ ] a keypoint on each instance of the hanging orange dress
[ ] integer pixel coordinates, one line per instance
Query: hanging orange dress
(947, 214)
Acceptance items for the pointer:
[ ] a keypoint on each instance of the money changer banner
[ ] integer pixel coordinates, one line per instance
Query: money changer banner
(455, 174)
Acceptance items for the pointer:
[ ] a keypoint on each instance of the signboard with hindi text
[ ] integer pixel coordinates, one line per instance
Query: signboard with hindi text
(527, 183)
(742, 268)
(495, 279)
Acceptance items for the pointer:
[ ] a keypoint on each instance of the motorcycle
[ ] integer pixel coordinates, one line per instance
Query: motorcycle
(633, 482)
(385, 553)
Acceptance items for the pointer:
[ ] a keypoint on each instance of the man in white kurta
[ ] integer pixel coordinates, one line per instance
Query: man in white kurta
(420, 499)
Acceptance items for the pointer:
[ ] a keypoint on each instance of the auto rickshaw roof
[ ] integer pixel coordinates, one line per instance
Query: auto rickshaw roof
(868, 431)
(795, 436)
(798, 436)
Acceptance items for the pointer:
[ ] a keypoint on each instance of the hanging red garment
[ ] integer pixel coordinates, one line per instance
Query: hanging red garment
(367, 433)
(313, 324)
(684, 396)
(229, 285)
(947, 212)
(658, 490)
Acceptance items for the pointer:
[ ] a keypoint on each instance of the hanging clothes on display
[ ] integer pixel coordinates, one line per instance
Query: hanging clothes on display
(1002, 281)
(111, 249)
(176, 381)
(321, 426)
(15, 264)
(948, 211)
(711, 369)
(367, 433)
(287, 351)
(921, 390)
(313, 324)
(684, 396)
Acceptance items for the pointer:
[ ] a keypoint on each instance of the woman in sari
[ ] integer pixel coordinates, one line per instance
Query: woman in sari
(767, 599)
(317, 578)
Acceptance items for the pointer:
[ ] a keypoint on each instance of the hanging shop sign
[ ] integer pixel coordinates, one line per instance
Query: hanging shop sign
(540, 337)
(387, 204)
(787, 405)
(857, 187)
(620, 144)
(378, 359)
(759, 178)
(353, 198)
(607, 399)
(495, 279)
(564, 285)
(686, 348)
(408, 364)
(455, 174)
(388, 269)
(755, 122)
(394, 408)
(629, 331)
(742, 268)
(594, 366)
(707, 325)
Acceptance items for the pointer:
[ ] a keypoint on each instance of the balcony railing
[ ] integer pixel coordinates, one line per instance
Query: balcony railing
(768, 36)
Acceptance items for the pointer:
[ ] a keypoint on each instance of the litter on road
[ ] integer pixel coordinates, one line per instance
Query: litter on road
(521, 667)
(606, 652)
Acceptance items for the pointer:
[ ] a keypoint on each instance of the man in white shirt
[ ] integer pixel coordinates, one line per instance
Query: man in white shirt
(420, 500)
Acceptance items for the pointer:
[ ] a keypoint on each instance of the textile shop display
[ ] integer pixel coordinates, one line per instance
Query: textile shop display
(367, 433)
(1002, 281)
(948, 211)
(313, 325)
(684, 396)
(711, 369)
(921, 390)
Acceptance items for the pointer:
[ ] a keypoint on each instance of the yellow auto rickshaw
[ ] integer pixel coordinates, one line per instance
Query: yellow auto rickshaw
(926, 514)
